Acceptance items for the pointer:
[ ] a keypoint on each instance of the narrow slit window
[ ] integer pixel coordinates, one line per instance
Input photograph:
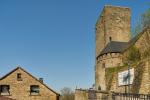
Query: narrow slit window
(103, 65)
(110, 38)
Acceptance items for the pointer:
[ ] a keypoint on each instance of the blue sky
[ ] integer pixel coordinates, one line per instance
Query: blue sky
(54, 39)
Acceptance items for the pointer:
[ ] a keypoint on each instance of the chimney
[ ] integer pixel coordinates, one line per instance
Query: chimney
(41, 80)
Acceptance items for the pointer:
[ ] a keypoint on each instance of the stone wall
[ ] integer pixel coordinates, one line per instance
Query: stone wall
(100, 36)
(143, 42)
(141, 83)
(81, 94)
(100, 77)
(112, 25)
(109, 60)
(20, 90)
(117, 23)
(145, 82)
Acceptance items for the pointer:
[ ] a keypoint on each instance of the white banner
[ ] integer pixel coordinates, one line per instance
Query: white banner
(126, 77)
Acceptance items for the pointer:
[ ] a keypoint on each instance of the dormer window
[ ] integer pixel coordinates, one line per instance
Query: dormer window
(19, 78)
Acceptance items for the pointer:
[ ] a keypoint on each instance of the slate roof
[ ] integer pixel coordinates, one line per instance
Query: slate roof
(119, 47)
(114, 47)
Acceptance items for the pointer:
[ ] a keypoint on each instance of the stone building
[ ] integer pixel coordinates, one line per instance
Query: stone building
(113, 46)
(115, 50)
(138, 47)
(112, 33)
(88, 94)
(21, 85)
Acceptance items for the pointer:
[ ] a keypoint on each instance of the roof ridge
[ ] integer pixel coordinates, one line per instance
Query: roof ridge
(29, 75)
(135, 38)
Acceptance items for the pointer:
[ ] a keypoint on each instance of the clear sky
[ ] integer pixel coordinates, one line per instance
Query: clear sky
(54, 39)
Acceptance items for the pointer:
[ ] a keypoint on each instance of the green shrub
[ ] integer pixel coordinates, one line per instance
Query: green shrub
(134, 54)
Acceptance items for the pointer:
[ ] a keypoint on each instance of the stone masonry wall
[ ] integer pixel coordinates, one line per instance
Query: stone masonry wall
(113, 22)
(81, 94)
(145, 82)
(112, 25)
(142, 72)
(100, 77)
(20, 90)
(117, 23)
(100, 39)
(143, 43)
(109, 60)
(140, 85)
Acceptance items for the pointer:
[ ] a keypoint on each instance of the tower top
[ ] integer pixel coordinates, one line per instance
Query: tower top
(113, 24)
(111, 7)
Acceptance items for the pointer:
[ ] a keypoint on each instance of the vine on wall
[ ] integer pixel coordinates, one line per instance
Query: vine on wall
(137, 78)
(111, 73)
(134, 54)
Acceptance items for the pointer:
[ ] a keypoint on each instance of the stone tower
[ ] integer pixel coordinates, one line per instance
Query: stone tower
(112, 25)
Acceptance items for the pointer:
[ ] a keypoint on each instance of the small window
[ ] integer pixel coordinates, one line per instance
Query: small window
(110, 38)
(34, 89)
(99, 87)
(103, 65)
(19, 78)
(4, 90)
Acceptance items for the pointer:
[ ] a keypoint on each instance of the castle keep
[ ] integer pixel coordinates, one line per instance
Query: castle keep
(122, 63)
(112, 32)
(115, 48)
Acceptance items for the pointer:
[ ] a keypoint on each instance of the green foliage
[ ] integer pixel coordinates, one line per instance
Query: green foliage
(146, 19)
(138, 78)
(110, 74)
(143, 22)
(146, 53)
(134, 54)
